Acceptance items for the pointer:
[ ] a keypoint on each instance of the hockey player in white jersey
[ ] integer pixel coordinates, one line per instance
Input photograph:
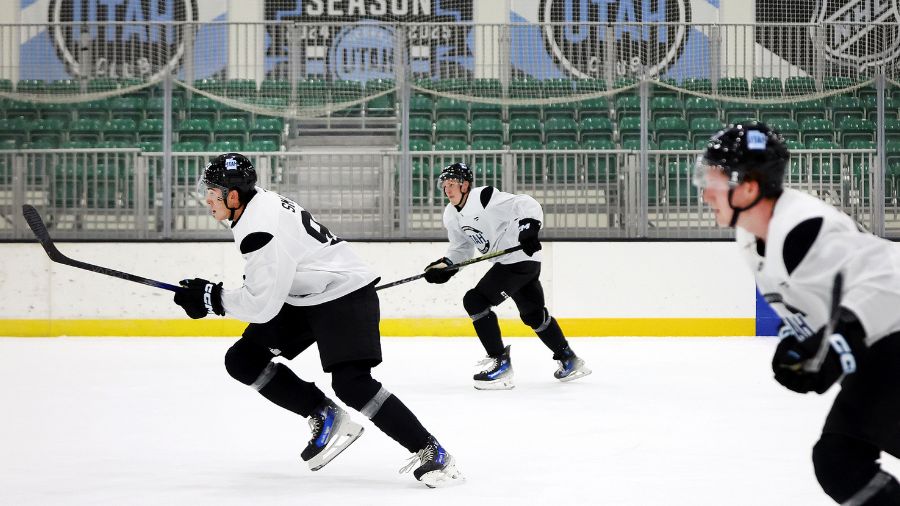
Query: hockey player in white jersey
(303, 285)
(798, 247)
(490, 220)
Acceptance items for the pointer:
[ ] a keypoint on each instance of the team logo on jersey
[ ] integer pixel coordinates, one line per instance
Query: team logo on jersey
(575, 32)
(129, 38)
(861, 33)
(478, 239)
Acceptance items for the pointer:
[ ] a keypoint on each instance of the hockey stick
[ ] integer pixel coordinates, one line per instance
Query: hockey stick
(814, 364)
(40, 231)
(454, 266)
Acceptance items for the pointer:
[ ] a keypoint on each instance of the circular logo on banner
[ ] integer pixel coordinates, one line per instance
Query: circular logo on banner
(869, 35)
(124, 39)
(364, 51)
(638, 36)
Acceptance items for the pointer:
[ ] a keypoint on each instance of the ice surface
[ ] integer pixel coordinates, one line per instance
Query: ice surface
(662, 421)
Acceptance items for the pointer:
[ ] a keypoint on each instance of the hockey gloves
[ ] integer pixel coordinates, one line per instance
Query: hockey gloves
(437, 271)
(794, 359)
(528, 235)
(199, 297)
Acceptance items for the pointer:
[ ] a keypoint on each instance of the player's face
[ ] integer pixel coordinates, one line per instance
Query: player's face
(216, 204)
(714, 187)
(453, 189)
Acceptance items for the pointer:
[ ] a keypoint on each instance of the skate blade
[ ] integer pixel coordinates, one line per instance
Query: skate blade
(499, 384)
(584, 371)
(349, 432)
(445, 477)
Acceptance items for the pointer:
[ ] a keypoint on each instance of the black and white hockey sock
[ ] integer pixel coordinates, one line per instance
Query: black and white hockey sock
(488, 330)
(552, 336)
(279, 384)
(400, 424)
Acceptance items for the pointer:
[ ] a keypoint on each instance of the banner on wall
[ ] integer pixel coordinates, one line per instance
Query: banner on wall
(355, 39)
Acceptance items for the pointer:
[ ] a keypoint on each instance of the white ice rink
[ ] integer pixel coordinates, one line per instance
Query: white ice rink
(158, 421)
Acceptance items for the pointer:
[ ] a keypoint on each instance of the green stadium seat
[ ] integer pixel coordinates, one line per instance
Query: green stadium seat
(635, 144)
(60, 111)
(861, 144)
(733, 86)
(846, 106)
(275, 88)
(114, 144)
(419, 145)
(700, 107)
(224, 146)
(267, 128)
(700, 143)
(421, 127)
(151, 146)
(699, 85)
(560, 110)
(93, 109)
(213, 86)
(451, 108)
(626, 82)
(797, 85)
(561, 167)
(487, 88)
(101, 84)
(450, 145)
(346, 92)
(240, 88)
(68, 184)
(154, 107)
(892, 152)
(524, 111)
(630, 128)
(485, 143)
(561, 129)
(680, 189)
(35, 86)
(150, 130)
(837, 83)
(421, 105)
(51, 130)
(43, 143)
(780, 109)
(230, 130)
(20, 109)
(593, 108)
(127, 107)
(588, 86)
(816, 128)
(787, 127)
(201, 107)
(120, 129)
(892, 129)
(487, 128)
(596, 128)
(384, 105)
(525, 145)
(675, 145)
(792, 144)
(891, 107)
(628, 105)
(658, 90)
(851, 129)
(597, 144)
(661, 107)
(88, 129)
(188, 146)
(822, 143)
(485, 110)
(76, 145)
(704, 128)
(669, 128)
(809, 109)
(524, 129)
(261, 145)
(6, 85)
(557, 87)
(766, 87)
(525, 89)
(735, 111)
(451, 128)
(14, 128)
(195, 129)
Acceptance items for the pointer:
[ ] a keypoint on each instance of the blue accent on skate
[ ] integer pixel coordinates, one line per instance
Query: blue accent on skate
(327, 426)
(767, 321)
(568, 366)
(440, 455)
(504, 366)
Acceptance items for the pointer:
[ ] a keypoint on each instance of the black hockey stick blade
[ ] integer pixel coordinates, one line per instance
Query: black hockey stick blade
(454, 266)
(40, 231)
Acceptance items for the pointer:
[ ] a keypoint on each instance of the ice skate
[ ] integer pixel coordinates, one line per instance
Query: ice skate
(437, 468)
(497, 373)
(570, 367)
(332, 432)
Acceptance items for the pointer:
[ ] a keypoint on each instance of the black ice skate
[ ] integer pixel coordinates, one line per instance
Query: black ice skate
(570, 367)
(437, 468)
(332, 433)
(498, 373)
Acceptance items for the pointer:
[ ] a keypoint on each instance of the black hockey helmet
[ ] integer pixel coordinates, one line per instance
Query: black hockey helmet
(749, 151)
(458, 171)
(230, 171)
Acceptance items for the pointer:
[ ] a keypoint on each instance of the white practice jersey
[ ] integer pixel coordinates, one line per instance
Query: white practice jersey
(290, 258)
(808, 242)
(489, 222)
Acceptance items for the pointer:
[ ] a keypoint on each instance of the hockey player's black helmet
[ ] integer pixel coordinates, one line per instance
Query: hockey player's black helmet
(458, 171)
(749, 151)
(231, 171)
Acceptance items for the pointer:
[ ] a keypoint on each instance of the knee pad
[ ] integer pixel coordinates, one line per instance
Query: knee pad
(249, 363)
(538, 320)
(355, 387)
(844, 466)
(477, 305)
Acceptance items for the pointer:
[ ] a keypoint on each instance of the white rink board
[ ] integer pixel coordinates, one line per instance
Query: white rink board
(581, 280)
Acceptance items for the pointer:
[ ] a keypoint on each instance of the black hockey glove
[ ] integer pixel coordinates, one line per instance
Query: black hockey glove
(528, 235)
(437, 271)
(793, 360)
(200, 297)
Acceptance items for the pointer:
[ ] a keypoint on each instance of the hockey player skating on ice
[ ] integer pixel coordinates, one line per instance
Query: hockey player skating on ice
(796, 245)
(492, 220)
(304, 285)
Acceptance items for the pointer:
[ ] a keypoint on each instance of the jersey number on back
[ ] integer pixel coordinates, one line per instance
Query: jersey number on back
(313, 227)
